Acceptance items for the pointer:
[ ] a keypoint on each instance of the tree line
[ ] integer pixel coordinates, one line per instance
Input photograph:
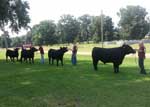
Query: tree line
(134, 24)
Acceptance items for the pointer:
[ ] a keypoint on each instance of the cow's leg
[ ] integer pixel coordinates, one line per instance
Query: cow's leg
(32, 60)
(62, 62)
(57, 62)
(95, 62)
(13, 59)
(21, 59)
(17, 58)
(26, 60)
(49, 60)
(52, 61)
(116, 68)
(6, 58)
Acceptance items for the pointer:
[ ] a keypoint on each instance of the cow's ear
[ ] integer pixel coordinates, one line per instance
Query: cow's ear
(123, 46)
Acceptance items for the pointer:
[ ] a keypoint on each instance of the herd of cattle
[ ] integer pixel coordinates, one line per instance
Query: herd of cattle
(106, 55)
(28, 55)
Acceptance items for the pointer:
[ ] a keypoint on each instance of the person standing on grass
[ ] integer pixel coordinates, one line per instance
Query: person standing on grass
(74, 54)
(42, 54)
(141, 57)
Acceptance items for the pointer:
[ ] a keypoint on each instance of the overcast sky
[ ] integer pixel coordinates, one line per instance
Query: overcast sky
(53, 9)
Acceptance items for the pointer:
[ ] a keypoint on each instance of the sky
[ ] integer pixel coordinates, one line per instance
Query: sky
(53, 9)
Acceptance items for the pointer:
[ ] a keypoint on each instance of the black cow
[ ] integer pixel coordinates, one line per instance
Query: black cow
(112, 55)
(12, 54)
(28, 54)
(57, 55)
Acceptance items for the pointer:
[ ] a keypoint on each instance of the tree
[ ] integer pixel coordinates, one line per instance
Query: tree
(116, 34)
(96, 28)
(85, 22)
(14, 13)
(16, 41)
(36, 36)
(107, 28)
(69, 28)
(132, 22)
(5, 40)
(44, 33)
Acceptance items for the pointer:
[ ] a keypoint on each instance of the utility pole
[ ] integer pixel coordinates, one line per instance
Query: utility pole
(102, 35)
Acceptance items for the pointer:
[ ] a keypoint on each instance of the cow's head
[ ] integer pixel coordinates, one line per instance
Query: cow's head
(64, 49)
(128, 49)
(16, 49)
(33, 49)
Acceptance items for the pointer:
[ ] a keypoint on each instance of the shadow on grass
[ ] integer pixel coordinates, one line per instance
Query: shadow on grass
(74, 86)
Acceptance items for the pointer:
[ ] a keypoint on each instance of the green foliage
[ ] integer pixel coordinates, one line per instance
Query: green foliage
(44, 33)
(96, 27)
(116, 34)
(37, 39)
(107, 28)
(16, 41)
(3, 42)
(85, 23)
(69, 28)
(132, 22)
(14, 13)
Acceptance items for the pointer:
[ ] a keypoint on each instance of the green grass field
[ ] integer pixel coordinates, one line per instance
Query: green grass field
(84, 47)
(37, 85)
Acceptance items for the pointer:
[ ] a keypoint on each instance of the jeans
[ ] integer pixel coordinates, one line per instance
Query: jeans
(74, 59)
(42, 58)
(141, 65)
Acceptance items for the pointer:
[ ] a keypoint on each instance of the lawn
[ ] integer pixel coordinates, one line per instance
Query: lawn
(37, 85)
(84, 47)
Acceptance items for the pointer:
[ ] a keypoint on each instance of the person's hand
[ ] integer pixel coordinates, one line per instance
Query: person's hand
(70, 49)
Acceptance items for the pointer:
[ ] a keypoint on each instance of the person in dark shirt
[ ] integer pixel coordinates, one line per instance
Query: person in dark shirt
(74, 55)
(42, 54)
(141, 57)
